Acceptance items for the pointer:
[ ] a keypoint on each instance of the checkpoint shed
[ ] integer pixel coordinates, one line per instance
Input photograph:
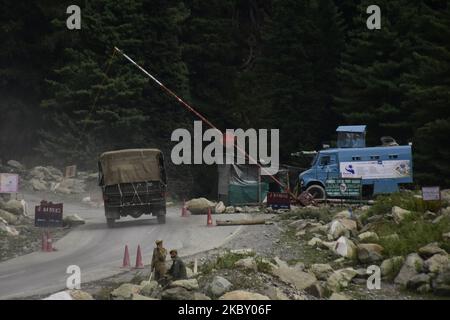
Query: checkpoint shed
(240, 184)
(243, 184)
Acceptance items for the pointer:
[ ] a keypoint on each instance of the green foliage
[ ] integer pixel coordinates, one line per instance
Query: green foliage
(405, 200)
(414, 232)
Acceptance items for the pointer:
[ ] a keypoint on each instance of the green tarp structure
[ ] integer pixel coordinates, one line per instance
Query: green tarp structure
(239, 184)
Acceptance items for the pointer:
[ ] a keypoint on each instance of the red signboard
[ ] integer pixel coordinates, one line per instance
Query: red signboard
(48, 215)
(278, 200)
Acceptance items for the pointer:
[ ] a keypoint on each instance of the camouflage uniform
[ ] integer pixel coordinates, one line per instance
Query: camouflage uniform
(159, 263)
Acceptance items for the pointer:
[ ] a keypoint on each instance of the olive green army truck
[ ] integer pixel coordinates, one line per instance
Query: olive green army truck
(133, 183)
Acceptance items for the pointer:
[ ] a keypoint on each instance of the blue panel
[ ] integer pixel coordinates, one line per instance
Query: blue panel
(359, 129)
(385, 186)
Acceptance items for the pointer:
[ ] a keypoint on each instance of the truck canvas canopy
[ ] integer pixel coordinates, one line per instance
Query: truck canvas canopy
(128, 166)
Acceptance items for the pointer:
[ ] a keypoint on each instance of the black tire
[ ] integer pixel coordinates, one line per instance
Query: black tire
(162, 219)
(317, 191)
(111, 222)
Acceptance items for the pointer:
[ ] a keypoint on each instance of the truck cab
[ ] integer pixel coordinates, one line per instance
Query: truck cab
(381, 169)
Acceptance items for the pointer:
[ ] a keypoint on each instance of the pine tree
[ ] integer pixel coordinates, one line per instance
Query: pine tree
(300, 51)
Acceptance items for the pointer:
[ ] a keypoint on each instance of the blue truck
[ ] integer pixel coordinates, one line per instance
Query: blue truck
(382, 169)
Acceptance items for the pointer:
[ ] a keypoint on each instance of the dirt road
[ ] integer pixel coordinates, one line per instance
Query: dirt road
(98, 250)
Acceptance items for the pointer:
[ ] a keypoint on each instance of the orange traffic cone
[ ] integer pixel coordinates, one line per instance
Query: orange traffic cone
(126, 258)
(44, 242)
(184, 209)
(209, 222)
(139, 264)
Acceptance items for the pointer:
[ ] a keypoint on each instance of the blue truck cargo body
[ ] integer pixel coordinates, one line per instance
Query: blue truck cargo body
(384, 168)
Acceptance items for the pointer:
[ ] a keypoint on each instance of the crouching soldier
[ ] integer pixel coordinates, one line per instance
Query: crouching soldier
(178, 269)
(159, 261)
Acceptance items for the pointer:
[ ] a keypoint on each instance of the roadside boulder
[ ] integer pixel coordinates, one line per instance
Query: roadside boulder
(338, 296)
(15, 165)
(229, 209)
(148, 287)
(430, 250)
(321, 270)
(220, 207)
(125, 291)
(368, 237)
(413, 266)
(243, 295)
(390, 267)
(8, 230)
(8, 217)
(188, 284)
(219, 286)
(200, 296)
(340, 279)
(345, 248)
(177, 293)
(275, 293)
(73, 220)
(294, 275)
(437, 263)
(399, 214)
(342, 227)
(80, 295)
(12, 206)
(418, 281)
(199, 205)
(38, 185)
(369, 252)
(441, 285)
(247, 264)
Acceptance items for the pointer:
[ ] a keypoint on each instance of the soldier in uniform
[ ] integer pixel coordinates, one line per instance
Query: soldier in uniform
(178, 269)
(159, 261)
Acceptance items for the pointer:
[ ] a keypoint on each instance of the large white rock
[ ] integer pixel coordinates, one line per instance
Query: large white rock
(73, 220)
(189, 284)
(399, 214)
(220, 207)
(243, 295)
(368, 237)
(199, 205)
(294, 275)
(412, 266)
(345, 248)
(342, 227)
(70, 295)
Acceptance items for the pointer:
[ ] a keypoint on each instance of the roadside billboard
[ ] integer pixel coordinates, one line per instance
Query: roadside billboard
(375, 169)
(9, 183)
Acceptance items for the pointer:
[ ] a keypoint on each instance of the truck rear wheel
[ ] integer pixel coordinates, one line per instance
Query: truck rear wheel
(317, 191)
(111, 222)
